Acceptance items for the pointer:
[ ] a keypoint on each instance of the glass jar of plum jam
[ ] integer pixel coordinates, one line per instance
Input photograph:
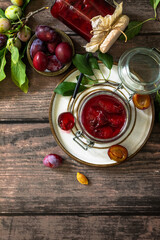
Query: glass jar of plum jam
(77, 14)
(104, 116)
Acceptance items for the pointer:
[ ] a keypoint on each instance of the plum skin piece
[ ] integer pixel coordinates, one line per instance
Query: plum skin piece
(117, 153)
(142, 102)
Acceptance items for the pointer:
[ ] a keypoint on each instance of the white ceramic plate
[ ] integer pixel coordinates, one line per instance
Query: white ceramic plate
(134, 138)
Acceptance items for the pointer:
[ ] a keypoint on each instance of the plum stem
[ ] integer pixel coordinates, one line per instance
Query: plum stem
(102, 74)
(30, 14)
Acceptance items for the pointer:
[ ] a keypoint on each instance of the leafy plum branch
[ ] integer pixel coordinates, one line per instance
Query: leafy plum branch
(134, 27)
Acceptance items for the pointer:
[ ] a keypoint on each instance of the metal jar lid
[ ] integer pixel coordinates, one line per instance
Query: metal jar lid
(139, 70)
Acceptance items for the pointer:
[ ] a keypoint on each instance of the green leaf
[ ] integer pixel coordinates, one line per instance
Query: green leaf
(157, 107)
(15, 30)
(2, 52)
(93, 62)
(22, 54)
(106, 59)
(87, 80)
(18, 75)
(24, 86)
(81, 63)
(2, 14)
(157, 98)
(154, 3)
(25, 4)
(67, 88)
(132, 30)
(14, 54)
(2, 63)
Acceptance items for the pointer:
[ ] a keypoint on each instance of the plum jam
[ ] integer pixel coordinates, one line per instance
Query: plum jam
(76, 14)
(103, 116)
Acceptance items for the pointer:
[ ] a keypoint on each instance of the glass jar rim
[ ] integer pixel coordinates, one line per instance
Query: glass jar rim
(128, 69)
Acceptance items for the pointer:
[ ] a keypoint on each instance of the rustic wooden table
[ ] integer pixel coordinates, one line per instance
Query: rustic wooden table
(121, 202)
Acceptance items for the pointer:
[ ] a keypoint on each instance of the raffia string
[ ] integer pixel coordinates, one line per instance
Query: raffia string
(102, 26)
(107, 32)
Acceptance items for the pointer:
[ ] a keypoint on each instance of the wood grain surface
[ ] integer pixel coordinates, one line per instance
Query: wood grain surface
(38, 203)
(78, 227)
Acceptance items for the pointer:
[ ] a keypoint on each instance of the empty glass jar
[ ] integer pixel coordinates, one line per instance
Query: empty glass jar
(139, 70)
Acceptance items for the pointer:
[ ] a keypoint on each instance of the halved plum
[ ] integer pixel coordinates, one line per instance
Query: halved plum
(104, 132)
(96, 117)
(116, 120)
(110, 106)
(117, 153)
(141, 101)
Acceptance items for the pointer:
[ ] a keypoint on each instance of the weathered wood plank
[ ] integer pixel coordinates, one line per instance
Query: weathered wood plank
(26, 186)
(15, 105)
(74, 227)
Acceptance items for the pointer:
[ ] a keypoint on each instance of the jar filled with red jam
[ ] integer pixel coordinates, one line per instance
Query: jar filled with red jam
(77, 14)
(104, 116)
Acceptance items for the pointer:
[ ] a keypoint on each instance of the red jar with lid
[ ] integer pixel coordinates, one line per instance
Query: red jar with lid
(77, 14)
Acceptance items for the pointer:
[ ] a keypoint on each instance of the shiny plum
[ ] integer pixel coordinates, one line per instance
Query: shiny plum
(46, 34)
(40, 61)
(3, 40)
(52, 161)
(66, 121)
(18, 3)
(53, 63)
(37, 45)
(24, 34)
(5, 25)
(13, 12)
(52, 46)
(64, 52)
(118, 153)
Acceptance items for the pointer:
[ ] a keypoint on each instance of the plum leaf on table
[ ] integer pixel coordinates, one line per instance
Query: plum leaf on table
(67, 88)
(107, 59)
(154, 3)
(2, 14)
(86, 66)
(132, 30)
(14, 54)
(87, 80)
(93, 62)
(2, 63)
(80, 62)
(134, 27)
(18, 75)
